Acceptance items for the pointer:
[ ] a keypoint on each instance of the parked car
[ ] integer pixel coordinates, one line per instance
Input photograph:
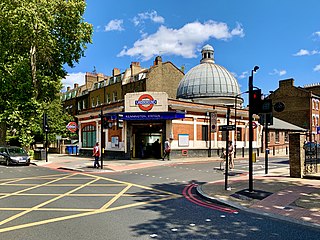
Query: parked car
(311, 148)
(14, 155)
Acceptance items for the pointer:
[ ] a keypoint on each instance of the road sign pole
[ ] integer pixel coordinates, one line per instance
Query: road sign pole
(265, 144)
(102, 142)
(209, 132)
(227, 151)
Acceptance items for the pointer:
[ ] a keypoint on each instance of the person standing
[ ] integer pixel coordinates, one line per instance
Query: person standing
(230, 154)
(96, 155)
(167, 150)
(156, 149)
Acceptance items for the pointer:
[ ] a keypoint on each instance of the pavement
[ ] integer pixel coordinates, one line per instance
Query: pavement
(275, 194)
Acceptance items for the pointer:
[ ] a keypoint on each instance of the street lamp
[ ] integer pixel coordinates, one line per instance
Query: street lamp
(250, 128)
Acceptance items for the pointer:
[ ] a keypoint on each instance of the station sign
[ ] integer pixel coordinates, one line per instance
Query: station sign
(146, 102)
(72, 126)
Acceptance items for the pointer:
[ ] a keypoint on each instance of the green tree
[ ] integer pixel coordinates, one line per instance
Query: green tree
(37, 39)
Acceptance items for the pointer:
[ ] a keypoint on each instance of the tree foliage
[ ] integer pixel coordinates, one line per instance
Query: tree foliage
(37, 39)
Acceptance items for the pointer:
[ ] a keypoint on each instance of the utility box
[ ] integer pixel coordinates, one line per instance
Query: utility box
(39, 154)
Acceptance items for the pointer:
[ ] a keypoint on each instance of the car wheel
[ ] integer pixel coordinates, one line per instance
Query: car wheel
(7, 162)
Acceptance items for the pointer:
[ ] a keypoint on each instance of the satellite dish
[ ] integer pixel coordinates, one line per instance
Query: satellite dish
(279, 106)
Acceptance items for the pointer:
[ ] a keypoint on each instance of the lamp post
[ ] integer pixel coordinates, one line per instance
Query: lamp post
(251, 129)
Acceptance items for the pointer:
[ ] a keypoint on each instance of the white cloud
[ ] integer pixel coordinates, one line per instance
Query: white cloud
(278, 72)
(153, 16)
(304, 52)
(282, 72)
(316, 34)
(244, 75)
(317, 68)
(181, 42)
(73, 78)
(114, 25)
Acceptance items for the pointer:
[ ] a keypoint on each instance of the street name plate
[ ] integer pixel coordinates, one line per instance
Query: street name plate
(227, 127)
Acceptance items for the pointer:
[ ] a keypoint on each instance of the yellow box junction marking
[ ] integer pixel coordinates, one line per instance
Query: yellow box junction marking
(52, 181)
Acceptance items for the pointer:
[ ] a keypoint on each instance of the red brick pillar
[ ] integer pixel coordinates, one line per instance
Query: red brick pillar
(296, 155)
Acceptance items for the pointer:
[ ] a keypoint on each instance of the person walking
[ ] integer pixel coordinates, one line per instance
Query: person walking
(230, 154)
(96, 155)
(167, 150)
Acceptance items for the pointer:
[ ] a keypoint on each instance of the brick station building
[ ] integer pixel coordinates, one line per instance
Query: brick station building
(142, 107)
(161, 102)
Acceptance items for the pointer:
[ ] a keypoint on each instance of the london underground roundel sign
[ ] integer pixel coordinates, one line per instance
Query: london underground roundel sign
(145, 102)
(72, 126)
(254, 125)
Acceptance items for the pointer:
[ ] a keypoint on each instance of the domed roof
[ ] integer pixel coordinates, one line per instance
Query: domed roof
(207, 48)
(208, 79)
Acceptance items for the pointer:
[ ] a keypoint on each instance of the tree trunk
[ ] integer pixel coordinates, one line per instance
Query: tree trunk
(3, 132)
(33, 62)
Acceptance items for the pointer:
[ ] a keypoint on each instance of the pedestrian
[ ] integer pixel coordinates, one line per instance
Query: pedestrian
(96, 155)
(156, 149)
(167, 150)
(230, 154)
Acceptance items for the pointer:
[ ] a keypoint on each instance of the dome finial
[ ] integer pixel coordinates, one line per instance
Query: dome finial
(207, 54)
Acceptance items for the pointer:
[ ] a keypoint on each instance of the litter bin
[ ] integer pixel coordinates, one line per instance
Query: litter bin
(39, 154)
(69, 149)
(75, 150)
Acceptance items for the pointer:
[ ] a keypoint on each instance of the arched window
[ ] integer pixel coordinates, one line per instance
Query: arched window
(88, 136)
(313, 107)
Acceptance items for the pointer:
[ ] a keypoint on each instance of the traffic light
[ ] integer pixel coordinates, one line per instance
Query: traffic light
(120, 121)
(255, 101)
(45, 123)
(263, 117)
(107, 122)
(266, 106)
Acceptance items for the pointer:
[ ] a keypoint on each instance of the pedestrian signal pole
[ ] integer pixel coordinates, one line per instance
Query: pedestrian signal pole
(252, 105)
(46, 130)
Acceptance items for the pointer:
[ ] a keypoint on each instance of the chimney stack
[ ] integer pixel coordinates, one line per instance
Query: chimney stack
(135, 68)
(286, 83)
(157, 61)
(115, 72)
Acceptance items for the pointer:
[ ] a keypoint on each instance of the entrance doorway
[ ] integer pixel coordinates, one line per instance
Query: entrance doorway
(147, 140)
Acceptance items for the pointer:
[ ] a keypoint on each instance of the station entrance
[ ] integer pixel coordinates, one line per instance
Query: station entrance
(147, 139)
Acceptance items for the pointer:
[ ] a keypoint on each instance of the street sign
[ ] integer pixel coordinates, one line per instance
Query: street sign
(227, 127)
(72, 126)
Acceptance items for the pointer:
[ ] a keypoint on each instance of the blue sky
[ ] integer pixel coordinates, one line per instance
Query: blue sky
(282, 37)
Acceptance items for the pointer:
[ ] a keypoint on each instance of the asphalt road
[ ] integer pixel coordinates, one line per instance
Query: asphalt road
(152, 203)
